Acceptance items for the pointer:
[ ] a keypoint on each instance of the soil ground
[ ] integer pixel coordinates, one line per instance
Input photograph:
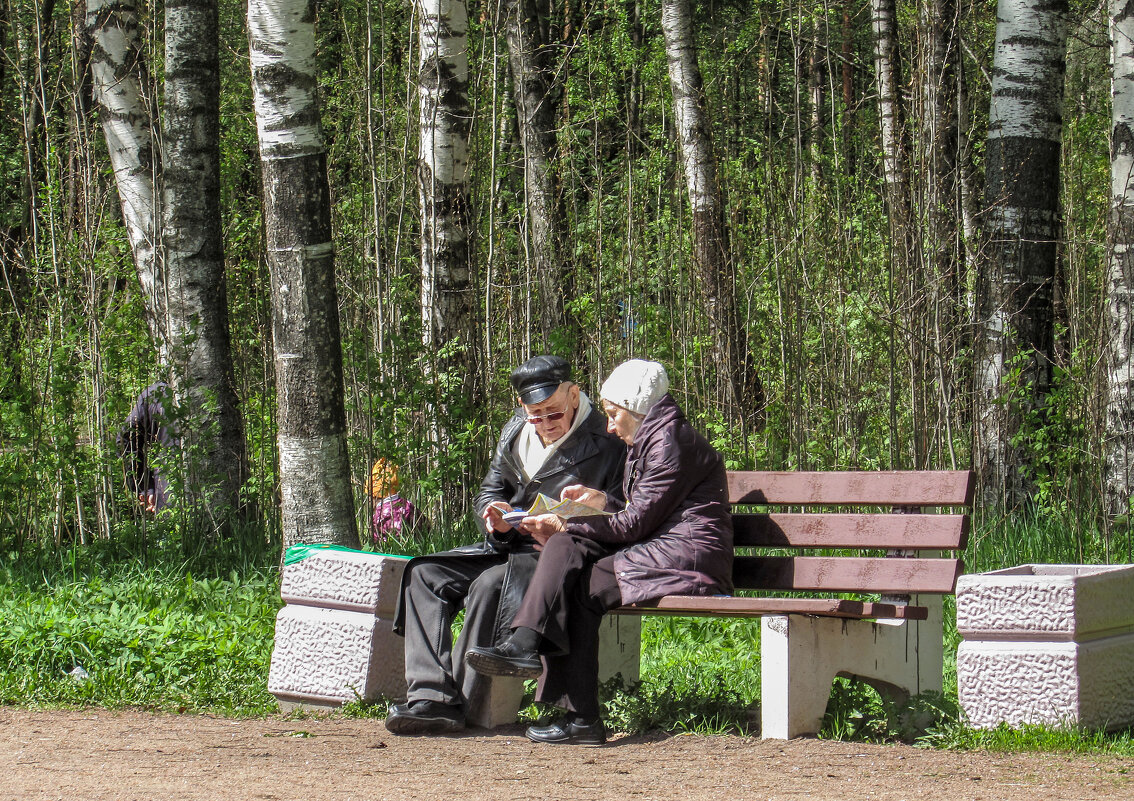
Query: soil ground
(95, 754)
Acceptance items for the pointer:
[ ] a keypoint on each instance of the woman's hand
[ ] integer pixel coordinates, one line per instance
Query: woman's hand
(596, 499)
(541, 528)
(494, 516)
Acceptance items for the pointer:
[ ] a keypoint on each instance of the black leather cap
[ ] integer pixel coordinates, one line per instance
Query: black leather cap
(537, 379)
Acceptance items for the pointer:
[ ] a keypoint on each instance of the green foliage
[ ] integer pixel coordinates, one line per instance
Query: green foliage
(157, 638)
(828, 318)
(1056, 537)
(676, 705)
(1052, 432)
(857, 712)
(698, 675)
(954, 735)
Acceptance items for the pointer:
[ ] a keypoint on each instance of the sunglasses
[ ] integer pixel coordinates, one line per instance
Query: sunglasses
(550, 418)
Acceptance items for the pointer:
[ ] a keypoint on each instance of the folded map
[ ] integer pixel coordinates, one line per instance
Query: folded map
(544, 505)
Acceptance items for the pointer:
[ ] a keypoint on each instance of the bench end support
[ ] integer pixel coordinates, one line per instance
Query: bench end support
(800, 657)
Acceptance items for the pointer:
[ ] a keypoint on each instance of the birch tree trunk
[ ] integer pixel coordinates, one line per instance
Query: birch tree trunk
(1119, 447)
(536, 98)
(711, 251)
(213, 438)
(445, 115)
(316, 500)
(120, 82)
(895, 153)
(904, 249)
(1022, 227)
(846, 70)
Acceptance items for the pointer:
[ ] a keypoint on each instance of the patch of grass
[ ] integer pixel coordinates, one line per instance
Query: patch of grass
(368, 710)
(953, 734)
(859, 713)
(672, 705)
(114, 634)
(698, 675)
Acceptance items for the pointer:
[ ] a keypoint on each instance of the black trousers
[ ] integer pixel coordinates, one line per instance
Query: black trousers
(436, 589)
(573, 586)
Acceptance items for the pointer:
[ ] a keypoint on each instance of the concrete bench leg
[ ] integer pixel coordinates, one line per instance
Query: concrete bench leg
(496, 699)
(620, 648)
(800, 657)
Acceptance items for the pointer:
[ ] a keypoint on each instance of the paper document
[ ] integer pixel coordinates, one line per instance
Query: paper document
(544, 505)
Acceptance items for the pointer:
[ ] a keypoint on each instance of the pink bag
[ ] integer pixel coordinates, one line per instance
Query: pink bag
(393, 516)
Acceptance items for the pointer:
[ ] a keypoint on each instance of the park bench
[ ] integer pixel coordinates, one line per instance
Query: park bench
(800, 552)
(806, 541)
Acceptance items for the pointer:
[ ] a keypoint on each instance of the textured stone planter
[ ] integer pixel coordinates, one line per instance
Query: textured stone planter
(334, 638)
(1050, 644)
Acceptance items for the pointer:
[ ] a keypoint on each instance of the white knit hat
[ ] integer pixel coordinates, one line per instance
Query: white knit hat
(636, 385)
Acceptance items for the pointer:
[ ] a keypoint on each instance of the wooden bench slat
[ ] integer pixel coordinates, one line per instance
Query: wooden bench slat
(846, 574)
(731, 606)
(873, 488)
(790, 530)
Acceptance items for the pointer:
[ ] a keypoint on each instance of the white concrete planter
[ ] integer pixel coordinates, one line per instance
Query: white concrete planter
(334, 638)
(1049, 644)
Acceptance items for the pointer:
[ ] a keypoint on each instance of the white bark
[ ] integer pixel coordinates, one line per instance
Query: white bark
(688, 98)
(444, 119)
(317, 503)
(119, 84)
(1027, 71)
(1119, 448)
(282, 33)
(887, 73)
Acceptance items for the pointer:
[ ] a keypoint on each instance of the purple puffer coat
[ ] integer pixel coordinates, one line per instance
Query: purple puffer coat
(675, 531)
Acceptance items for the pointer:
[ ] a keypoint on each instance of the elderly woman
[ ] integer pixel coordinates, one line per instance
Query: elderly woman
(673, 536)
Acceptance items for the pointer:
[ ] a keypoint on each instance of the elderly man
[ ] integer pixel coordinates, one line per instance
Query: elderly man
(556, 439)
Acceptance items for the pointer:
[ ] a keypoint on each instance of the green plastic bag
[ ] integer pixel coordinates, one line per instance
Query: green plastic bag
(299, 552)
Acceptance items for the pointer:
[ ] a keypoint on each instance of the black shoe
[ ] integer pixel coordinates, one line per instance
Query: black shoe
(569, 731)
(507, 659)
(424, 717)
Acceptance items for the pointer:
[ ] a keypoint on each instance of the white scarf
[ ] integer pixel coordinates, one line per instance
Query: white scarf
(529, 449)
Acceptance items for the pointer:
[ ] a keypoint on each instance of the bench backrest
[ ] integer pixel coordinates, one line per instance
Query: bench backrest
(900, 530)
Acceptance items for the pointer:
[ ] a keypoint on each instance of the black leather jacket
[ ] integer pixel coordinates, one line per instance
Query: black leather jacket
(590, 456)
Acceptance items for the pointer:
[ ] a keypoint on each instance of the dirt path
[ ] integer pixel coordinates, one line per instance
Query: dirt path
(138, 755)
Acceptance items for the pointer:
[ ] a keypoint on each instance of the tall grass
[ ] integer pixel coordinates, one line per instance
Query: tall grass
(1060, 536)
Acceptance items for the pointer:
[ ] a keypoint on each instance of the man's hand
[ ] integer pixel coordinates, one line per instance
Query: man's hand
(596, 499)
(494, 516)
(541, 527)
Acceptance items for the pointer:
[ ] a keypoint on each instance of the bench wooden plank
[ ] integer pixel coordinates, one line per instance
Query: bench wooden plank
(792, 530)
(898, 576)
(731, 606)
(850, 488)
